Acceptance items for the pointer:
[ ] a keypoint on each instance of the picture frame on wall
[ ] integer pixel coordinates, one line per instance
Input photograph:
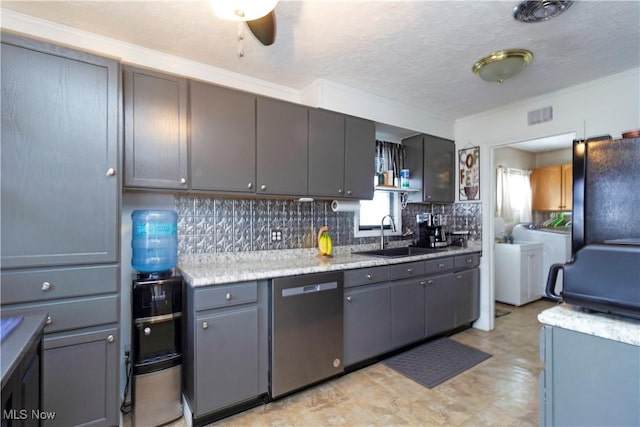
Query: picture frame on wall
(469, 173)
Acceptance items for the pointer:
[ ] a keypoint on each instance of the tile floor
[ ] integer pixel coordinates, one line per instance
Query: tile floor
(501, 391)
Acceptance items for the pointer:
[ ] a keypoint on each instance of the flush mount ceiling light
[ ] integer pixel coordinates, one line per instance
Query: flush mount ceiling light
(536, 11)
(242, 10)
(500, 65)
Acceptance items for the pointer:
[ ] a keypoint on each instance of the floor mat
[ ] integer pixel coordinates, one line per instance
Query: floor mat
(500, 313)
(435, 362)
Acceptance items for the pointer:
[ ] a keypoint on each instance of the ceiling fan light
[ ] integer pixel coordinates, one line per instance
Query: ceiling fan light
(242, 10)
(503, 64)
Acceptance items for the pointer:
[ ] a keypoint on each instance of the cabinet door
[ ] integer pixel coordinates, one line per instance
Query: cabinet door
(155, 130)
(282, 147)
(414, 161)
(326, 153)
(59, 155)
(467, 296)
(223, 139)
(407, 311)
(546, 185)
(226, 359)
(567, 187)
(80, 378)
(367, 322)
(359, 152)
(440, 304)
(439, 170)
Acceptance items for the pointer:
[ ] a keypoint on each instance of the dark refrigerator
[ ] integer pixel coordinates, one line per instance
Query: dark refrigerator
(604, 272)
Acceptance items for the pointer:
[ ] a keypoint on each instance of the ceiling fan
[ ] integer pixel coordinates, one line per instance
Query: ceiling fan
(258, 14)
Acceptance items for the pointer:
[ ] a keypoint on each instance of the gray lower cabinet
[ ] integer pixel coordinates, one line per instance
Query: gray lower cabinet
(431, 161)
(367, 322)
(80, 381)
(226, 352)
(155, 130)
(588, 380)
(223, 139)
(282, 132)
(407, 311)
(59, 155)
(467, 295)
(440, 304)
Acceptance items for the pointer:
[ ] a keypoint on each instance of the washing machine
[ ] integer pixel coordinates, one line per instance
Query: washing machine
(556, 249)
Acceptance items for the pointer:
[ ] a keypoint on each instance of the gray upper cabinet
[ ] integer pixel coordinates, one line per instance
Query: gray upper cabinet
(432, 163)
(223, 139)
(282, 147)
(338, 148)
(326, 153)
(359, 152)
(155, 130)
(59, 155)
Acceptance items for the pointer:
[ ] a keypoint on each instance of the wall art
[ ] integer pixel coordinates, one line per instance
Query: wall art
(469, 167)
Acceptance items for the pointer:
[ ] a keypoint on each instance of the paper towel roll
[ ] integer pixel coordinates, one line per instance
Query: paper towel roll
(345, 206)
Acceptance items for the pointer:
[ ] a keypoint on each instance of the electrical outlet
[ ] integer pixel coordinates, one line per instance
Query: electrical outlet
(276, 235)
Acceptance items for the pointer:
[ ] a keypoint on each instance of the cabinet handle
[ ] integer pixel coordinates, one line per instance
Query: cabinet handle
(205, 325)
(263, 187)
(250, 185)
(45, 286)
(348, 192)
(440, 265)
(423, 283)
(430, 282)
(469, 260)
(340, 191)
(183, 181)
(111, 339)
(348, 299)
(228, 297)
(49, 320)
(459, 276)
(147, 331)
(111, 172)
(369, 276)
(409, 270)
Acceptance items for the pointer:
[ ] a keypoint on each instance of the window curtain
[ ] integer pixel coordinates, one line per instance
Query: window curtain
(513, 195)
(389, 156)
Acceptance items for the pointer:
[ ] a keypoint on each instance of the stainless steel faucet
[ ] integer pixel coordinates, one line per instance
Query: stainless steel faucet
(393, 228)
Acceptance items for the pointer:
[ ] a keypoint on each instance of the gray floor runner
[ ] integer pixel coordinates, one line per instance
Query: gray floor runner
(436, 361)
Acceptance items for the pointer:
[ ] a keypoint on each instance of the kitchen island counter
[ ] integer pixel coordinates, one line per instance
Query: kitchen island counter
(224, 268)
(615, 328)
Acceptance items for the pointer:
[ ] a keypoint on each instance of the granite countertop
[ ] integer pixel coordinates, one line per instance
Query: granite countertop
(616, 328)
(17, 342)
(214, 269)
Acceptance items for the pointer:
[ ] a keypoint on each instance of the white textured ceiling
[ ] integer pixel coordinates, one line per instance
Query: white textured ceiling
(419, 53)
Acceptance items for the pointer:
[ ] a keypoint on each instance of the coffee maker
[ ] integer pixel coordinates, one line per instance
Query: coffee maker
(430, 232)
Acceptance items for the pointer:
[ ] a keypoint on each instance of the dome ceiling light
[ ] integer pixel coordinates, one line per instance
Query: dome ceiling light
(503, 64)
(537, 11)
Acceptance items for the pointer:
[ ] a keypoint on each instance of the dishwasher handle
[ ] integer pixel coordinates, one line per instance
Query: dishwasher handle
(308, 289)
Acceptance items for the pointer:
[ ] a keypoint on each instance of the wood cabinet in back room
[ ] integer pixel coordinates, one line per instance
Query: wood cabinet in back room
(552, 188)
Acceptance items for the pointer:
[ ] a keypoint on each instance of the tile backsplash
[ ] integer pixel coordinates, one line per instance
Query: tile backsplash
(217, 224)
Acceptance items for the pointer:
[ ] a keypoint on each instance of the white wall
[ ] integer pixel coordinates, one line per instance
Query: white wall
(607, 106)
(513, 158)
(556, 157)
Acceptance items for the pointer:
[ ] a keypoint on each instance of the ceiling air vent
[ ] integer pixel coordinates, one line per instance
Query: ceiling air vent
(540, 116)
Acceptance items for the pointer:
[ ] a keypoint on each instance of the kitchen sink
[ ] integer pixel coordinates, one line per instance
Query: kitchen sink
(400, 252)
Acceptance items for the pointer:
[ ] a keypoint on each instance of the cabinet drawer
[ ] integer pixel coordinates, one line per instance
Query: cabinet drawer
(466, 261)
(407, 270)
(54, 283)
(363, 276)
(438, 265)
(226, 295)
(71, 313)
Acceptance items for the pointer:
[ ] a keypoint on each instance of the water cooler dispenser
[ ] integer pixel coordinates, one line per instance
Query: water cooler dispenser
(156, 311)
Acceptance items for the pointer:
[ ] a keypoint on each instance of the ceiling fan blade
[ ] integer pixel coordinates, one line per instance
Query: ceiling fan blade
(264, 28)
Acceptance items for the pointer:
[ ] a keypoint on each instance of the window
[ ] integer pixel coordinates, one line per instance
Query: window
(367, 219)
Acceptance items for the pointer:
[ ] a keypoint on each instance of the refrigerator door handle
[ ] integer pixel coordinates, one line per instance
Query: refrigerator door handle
(551, 282)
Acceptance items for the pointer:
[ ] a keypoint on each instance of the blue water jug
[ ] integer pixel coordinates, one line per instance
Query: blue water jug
(154, 240)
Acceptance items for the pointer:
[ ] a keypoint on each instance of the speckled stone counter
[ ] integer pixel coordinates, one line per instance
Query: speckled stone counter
(616, 328)
(214, 269)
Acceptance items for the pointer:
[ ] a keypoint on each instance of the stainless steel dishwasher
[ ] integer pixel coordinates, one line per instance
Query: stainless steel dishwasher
(306, 330)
